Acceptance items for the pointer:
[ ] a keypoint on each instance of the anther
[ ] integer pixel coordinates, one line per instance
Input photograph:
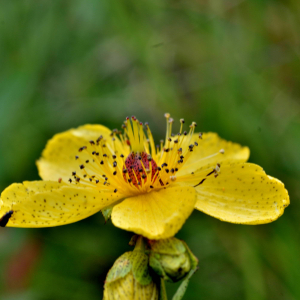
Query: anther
(121, 155)
(182, 121)
(185, 133)
(200, 135)
(73, 173)
(167, 115)
(92, 142)
(115, 190)
(124, 171)
(173, 178)
(81, 166)
(196, 144)
(76, 157)
(104, 155)
(77, 179)
(97, 181)
(149, 157)
(115, 164)
(222, 151)
(114, 156)
(87, 161)
(167, 170)
(115, 173)
(101, 162)
(70, 180)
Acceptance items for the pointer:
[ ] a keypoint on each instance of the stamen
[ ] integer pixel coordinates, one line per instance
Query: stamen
(136, 170)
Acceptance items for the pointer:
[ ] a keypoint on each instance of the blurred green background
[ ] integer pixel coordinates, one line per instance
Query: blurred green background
(232, 66)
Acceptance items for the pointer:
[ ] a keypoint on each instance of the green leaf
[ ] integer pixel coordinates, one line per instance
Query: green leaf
(106, 212)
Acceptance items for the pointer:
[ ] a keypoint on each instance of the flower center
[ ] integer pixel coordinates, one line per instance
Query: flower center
(138, 167)
(102, 163)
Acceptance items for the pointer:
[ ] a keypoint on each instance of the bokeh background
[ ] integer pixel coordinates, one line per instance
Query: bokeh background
(233, 66)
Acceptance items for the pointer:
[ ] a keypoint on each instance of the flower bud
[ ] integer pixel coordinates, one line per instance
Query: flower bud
(129, 278)
(171, 258)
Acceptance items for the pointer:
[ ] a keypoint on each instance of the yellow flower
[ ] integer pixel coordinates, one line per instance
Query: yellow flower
(152, 189)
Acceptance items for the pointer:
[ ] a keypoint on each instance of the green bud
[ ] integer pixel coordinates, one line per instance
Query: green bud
(171, 259)
(129, 278)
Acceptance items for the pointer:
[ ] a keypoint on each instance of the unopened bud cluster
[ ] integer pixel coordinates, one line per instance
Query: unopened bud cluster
(138, 274)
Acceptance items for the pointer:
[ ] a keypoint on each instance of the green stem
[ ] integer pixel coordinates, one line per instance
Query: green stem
(163, 292)
(140, 244)
(184, 284)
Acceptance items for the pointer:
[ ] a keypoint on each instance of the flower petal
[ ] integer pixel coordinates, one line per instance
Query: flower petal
(207, 153)
(242, 193)
(156, 215)
(49, 203)
(58, 158)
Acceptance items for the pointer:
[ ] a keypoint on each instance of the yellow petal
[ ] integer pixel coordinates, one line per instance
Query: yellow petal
(244, 194)
(48, 203)
(156, 215)
(207, 153)
(58, 158)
